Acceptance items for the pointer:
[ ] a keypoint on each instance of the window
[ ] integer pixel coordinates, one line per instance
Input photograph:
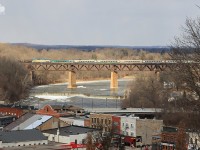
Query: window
(131, 125)
(83, 141)
(132, 133)
(105, 121)
(127, 126)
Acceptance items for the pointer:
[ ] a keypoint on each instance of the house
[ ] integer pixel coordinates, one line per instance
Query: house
(20, 138)
(68, 135)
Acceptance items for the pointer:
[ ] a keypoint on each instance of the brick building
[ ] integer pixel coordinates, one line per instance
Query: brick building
(171, 136)
(59, 110)
(11, 111)
(103, 121)
(168, 138)
(116, 124)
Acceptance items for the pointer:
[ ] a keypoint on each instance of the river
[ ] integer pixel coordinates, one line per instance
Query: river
(88, 94)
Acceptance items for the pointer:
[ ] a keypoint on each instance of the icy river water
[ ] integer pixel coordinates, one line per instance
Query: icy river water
(88, 94)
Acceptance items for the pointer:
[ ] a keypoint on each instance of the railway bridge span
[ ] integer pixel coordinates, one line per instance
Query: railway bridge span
(113, 66)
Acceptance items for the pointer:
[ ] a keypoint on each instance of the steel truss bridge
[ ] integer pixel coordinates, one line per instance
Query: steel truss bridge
(114, 68)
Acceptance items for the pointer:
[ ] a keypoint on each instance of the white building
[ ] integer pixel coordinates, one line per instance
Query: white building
(128, 125)
(194, 141)
(69, 134)
(20, 138)
(134, 126)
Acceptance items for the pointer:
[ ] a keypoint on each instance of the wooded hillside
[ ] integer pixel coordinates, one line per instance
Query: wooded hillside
(24, 53)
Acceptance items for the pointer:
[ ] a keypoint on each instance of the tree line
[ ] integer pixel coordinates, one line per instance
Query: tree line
(177, 91)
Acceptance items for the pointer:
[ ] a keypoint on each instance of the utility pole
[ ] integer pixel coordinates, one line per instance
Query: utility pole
(116, 103)
(82, 103)
(92, 103)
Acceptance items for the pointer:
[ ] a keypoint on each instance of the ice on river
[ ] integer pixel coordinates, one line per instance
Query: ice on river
(53, 97)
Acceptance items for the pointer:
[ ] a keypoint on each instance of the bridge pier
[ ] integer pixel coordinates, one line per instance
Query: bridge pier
(158, 75)
(72, 80)
(113, 81)
(30, 76)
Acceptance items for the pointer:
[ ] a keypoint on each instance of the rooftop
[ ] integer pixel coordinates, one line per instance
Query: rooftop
(21, 135)
(70, 130)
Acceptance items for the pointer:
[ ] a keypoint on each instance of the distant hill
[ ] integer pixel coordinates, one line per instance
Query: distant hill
(93, 47)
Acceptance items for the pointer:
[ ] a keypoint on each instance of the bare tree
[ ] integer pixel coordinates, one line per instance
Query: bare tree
(145, 92)
(90, 142)
(14, 80)
(186, 51)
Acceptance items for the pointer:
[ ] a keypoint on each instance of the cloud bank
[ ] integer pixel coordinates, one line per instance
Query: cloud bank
(2, 9)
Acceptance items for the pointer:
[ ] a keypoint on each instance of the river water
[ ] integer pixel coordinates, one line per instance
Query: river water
(88, 94)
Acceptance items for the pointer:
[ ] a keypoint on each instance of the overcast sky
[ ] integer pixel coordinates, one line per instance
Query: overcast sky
(94, 22)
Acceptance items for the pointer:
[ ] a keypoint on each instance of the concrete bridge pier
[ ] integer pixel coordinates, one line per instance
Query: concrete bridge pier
(158, 75)
(113, 81)
(72, 80)
(30, 76)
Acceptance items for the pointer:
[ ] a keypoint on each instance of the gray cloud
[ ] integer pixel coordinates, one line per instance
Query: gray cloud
(2, 9)
(99, 22)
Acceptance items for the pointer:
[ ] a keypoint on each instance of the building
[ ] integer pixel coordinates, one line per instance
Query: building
(168, 138)
(22, 138)
(87, 122)
(35, 121)
(6, 120)
(68, 135)
(11, 111)
(156, 142)
(194, 141)
(101, 121)
(144, 128)
(78, 121)
(60, 110)
(116, 124)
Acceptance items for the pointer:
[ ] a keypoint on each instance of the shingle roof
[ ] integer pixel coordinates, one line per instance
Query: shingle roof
(70, 130)
(21, 136)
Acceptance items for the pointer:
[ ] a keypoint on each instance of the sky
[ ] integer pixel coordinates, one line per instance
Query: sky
(94, 22)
